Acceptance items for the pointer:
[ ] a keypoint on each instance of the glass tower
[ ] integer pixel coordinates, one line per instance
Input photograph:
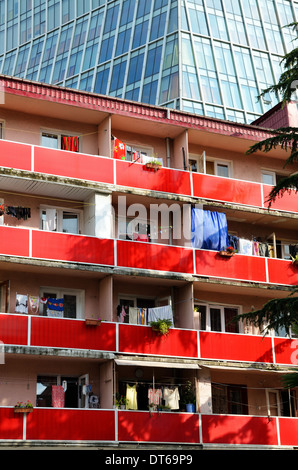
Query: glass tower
(210, 57)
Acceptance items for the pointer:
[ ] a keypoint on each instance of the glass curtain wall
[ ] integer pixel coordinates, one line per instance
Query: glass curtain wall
(211, 57)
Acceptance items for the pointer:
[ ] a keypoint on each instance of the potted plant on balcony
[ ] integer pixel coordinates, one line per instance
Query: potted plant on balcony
(153, 164)
(230, 251)
(121, 401)
(188, 398)
(22, 407)
(161, 326)
(93, 321)
(294, 259)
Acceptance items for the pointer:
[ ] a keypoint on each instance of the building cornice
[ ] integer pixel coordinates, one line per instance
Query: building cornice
(117, 106)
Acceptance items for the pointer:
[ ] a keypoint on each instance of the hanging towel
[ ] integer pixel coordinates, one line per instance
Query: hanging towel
(58, 396)
(21, 303)
(34, 304)
(55, 307)
(197, 217)
(209, 230)
(50, 222)
(245, 246)
(215, 231)
(160, 313)
(142, 316)
(133, 315)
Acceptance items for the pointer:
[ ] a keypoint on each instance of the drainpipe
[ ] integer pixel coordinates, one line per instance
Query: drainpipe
(168, 153)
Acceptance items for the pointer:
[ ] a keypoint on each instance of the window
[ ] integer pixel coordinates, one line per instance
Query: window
(271, 177)
(71, 302)
(60, 141)
(203, 164)
(60, 220)
(229, 399)
(216, 318)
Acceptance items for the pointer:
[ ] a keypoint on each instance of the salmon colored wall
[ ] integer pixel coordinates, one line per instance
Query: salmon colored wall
(245, 167)
(19, 383)
(26, 128)
(31, 283)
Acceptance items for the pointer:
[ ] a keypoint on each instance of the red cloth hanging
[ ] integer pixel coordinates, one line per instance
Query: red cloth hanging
(70, 143)
(58, 396)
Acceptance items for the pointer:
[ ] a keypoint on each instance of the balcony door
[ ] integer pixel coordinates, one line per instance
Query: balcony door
(72, 302)
(216, 318)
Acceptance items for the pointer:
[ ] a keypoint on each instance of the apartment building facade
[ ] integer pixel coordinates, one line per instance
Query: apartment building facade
(96, 244)
(210, 57)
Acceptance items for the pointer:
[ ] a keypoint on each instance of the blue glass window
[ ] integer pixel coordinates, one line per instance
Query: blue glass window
(9, 63)
(101, 81)
(140, 34)
(111, 19)
(127, 12)
(158, 26)
(144, 7)
(68, 10)
(22, 61)
(153, 61)
(118, 76)
(160, 3)
(82, 7)
(53, 14)
(106, 49)
(198, 20)
(149, 92)
(123, 42)
(135, 68)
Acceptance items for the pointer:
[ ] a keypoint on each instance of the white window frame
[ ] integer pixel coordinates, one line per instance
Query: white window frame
(203, 159)
(59, 217)
(59, 134)
(220, 307)
(269, 173)
(277, 395)
(60, 291)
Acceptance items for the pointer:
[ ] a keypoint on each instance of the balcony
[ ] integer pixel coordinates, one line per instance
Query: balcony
(112, 426)
(158, 258)
(93, 168)
(119, 338)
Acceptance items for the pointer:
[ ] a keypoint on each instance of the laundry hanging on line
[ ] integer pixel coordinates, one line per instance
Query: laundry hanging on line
(209, 230)
(160, 313)
(18, 212)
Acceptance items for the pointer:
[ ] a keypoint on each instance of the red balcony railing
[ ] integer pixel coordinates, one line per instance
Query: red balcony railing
(142, 340)
(39, 331)
(65, 247)
(62, 425)
(105, 170)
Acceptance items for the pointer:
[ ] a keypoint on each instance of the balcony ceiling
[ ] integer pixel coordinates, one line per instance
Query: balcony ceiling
(16, 185)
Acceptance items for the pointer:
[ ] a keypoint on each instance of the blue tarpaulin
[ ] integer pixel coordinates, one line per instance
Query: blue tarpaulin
(209, 230)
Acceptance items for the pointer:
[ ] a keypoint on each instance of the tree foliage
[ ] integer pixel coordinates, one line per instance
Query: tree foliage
(283, 312)
(285, 138)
